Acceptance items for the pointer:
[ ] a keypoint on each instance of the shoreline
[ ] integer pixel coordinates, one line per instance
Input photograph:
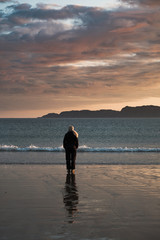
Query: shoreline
(83, 158)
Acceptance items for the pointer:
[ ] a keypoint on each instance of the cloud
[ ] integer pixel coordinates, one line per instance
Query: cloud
(45, 13)
(143, 2)
(47, 6)
(24, 6)
(79, 52)
(3, 1)
(109, 30)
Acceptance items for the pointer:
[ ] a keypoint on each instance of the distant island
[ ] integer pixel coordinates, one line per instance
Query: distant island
(148, 111)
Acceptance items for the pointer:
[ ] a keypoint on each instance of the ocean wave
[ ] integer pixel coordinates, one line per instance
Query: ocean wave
(84, 148)
(31, 148)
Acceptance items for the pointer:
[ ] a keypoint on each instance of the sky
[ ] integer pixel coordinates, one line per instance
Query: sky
(71, 55)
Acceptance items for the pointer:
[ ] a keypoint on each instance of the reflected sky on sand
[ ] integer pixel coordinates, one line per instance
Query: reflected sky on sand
(70, 197)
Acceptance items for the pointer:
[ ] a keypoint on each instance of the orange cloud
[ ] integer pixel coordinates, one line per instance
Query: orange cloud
(93, 55)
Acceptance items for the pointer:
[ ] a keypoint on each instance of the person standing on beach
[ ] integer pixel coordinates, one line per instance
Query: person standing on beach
(70, 144)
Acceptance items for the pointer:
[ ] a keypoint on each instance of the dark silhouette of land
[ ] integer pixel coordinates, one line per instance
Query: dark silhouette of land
(149, 111)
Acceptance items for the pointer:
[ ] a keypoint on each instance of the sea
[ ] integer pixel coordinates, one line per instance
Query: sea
(134, 141)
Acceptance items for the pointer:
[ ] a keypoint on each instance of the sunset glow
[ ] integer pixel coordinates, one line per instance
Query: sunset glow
(73, 55)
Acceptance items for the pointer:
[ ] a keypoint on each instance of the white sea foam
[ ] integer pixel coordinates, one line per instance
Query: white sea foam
(83, 148)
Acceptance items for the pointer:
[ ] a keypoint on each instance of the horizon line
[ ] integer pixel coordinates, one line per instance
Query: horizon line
(80, 111)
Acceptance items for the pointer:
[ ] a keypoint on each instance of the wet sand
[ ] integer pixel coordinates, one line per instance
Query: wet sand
(110, 202)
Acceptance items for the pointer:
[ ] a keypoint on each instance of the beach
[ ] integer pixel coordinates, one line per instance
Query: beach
(100, 202)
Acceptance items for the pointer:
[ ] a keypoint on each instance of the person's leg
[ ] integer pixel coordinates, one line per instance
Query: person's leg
(73, 159)
(68, 159)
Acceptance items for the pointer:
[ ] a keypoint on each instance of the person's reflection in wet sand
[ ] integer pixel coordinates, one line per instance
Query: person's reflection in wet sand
(70, 198)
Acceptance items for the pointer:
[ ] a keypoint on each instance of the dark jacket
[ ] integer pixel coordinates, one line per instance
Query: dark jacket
(70, 141)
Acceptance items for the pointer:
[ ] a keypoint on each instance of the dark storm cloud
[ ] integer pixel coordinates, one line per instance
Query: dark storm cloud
(95, 23)
(23, 14)
(45, 14)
